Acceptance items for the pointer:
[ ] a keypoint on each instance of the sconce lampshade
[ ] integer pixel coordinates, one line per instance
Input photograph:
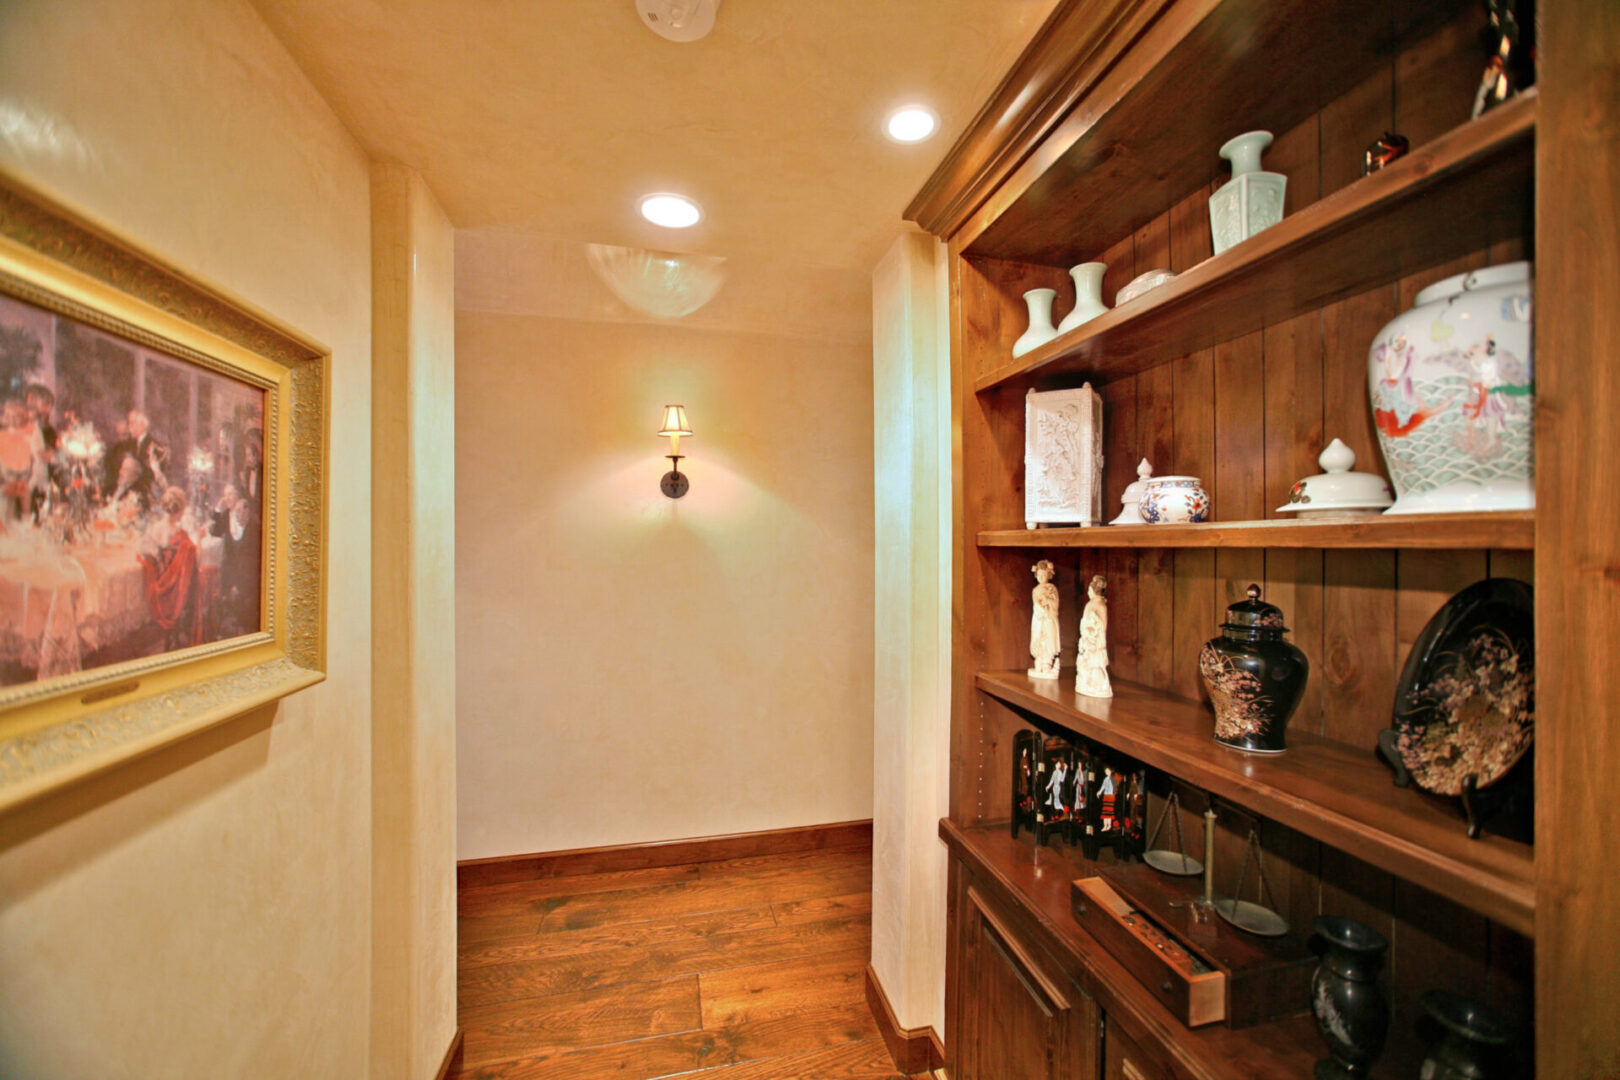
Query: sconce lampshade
(675, 421)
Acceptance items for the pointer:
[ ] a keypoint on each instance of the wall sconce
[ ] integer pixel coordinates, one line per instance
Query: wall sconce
(674, 484)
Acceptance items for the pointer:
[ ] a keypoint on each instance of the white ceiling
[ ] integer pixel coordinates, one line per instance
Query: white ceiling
(538, 123)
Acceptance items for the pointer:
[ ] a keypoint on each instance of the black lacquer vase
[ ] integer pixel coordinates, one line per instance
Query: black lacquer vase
(1475, 1042)
(1255, 676)
(1351, 1011)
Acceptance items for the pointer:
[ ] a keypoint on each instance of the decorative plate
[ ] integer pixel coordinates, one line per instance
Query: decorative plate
(1465, 706)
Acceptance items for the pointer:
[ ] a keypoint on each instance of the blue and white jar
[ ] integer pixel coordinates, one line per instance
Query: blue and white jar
(1174, 500)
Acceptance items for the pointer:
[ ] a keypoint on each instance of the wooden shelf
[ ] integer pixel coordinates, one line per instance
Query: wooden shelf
(1441, 201)
(1038, 180)
(1503, 531)
(1035, 881)
(1341, 795)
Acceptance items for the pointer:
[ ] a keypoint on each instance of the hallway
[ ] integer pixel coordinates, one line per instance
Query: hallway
(735, 970)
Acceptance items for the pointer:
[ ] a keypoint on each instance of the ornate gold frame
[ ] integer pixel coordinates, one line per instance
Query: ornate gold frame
(59, 730)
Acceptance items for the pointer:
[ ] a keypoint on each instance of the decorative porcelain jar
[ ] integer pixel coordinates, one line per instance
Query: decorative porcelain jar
(1254, 676)
(1088, 301)
(1174, 500)
(1252, 200)
(1452, 386)
(1352, 1014)
(1474, 1043)
(1040, 329)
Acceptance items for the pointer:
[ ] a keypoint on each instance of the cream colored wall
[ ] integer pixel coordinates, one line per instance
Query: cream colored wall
(912, 422)
(633, 668)
(413, 740)
(205, 912)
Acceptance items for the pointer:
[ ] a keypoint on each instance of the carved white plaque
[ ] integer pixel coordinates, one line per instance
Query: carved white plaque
(1063, 457)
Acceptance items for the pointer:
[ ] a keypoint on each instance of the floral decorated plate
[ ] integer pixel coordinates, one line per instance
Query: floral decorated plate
(1465, 706)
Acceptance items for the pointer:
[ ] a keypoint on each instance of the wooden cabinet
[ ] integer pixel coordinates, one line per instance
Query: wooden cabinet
(1101, 146)
(1021, 1017)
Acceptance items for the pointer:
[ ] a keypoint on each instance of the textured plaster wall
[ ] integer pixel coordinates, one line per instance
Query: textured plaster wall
(632, 668)
(205, 912)
(414, 646)
(912, 424)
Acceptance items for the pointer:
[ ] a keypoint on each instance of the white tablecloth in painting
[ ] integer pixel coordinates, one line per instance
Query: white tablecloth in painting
(59, 605)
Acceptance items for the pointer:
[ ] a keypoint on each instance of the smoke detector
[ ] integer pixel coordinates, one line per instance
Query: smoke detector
(678, 20)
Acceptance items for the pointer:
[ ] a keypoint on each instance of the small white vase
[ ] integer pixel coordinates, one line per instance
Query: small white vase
(1252, 200)
(1040, 329)
(1088, 301)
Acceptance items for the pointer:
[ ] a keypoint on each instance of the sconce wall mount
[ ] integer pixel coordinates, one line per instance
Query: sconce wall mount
(674, 484)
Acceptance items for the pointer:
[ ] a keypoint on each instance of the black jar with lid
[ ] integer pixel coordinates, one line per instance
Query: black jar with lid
(1254, 676)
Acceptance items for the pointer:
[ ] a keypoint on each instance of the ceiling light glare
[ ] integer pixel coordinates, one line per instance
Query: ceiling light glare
(911, 123)
(670, 211)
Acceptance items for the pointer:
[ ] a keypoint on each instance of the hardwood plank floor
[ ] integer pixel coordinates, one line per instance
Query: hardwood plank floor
(747, 969)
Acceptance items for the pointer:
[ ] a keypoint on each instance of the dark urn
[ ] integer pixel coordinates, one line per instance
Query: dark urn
(1255, 678)
(1351, 1011)
(1474, 1041)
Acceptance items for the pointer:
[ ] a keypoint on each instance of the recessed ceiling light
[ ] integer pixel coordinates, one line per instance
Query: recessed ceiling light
(911, 123)
(670, 211)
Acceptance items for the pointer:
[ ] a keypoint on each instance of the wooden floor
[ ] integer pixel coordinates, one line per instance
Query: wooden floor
(742, 970)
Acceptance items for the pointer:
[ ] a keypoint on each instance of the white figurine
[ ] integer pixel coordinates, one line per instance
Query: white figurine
(1132, 514)
(1043, 624)
(1091, 663)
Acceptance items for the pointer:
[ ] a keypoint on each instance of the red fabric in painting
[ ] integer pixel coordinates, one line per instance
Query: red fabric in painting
(171, 587)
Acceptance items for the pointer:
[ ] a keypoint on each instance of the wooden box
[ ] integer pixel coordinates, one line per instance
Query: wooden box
(1169, 948)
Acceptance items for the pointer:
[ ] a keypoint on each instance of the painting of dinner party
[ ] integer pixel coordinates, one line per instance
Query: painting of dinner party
(131, 499)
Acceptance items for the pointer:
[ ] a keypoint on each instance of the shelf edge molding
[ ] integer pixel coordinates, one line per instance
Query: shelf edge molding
(1512, 530)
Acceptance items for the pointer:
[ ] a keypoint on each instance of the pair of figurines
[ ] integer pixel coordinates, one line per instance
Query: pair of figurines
(1045, 646)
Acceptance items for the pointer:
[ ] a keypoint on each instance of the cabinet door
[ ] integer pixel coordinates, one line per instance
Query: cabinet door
(1021, 1019)
(1124, 1060)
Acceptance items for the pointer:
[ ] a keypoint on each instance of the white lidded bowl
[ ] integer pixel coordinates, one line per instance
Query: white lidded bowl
(1338, 492)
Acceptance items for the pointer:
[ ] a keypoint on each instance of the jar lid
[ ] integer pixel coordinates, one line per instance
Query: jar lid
(1484, 278)
(1254, 614)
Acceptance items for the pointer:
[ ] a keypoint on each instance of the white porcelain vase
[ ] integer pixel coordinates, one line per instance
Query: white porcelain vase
(1088, 301)
(1452, 387)
(1252, 200)
(1040, 329)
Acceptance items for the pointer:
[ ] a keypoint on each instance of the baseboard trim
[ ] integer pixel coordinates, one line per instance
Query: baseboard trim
(839, 836)
(914, 1050)
(452, 1057)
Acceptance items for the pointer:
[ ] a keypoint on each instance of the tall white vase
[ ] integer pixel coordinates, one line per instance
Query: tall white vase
(1252, 200)
(1040, 329)
(1088, 301)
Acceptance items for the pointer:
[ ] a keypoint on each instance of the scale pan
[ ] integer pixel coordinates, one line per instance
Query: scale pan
(1252, 917)
(1173, 862)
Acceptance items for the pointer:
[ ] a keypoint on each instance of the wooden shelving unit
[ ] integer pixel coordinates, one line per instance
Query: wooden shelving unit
(1503, 531)
(1100, 146)
(1480, 172)
(1338, 794)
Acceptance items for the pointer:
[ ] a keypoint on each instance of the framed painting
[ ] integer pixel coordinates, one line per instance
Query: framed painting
(162, 503)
